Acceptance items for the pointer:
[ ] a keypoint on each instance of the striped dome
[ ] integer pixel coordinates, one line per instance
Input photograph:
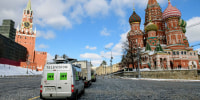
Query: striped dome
(171, 12)
(134, 18)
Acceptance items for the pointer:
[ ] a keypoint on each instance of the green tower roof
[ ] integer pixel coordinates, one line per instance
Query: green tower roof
(148, 47)
(151, 27)
(158, 48)
(29, 5)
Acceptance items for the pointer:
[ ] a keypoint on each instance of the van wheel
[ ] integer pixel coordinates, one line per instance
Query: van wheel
(76, 96)
(83, 92)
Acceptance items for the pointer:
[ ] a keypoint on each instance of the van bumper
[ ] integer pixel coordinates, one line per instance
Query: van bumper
(57, 96)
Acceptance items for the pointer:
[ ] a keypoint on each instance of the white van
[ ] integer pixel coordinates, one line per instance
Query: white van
(61, 81)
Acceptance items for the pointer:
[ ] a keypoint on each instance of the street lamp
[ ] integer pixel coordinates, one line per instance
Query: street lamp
(138, 57)
(27, 62)
(110, 59)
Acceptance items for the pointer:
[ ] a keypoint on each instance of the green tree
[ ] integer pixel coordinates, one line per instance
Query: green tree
(103, 63)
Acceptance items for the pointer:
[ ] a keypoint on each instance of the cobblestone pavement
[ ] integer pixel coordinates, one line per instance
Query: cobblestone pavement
(107, 89)
(126, 89)
(19, 88)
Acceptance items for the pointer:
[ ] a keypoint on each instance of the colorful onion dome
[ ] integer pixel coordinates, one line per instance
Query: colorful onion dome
(171, 11)
(134, 18)
(182, 23)
(151, 27)
(183, 29)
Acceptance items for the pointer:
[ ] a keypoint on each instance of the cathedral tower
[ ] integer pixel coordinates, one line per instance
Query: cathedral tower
(135, 36)
(154, 12)
(151, 37)
(173, 30)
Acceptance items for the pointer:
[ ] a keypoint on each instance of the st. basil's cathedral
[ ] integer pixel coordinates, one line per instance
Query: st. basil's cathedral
(163, 44)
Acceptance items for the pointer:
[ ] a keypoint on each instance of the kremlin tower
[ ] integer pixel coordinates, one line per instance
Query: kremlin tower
(26, 37)
(163, 43)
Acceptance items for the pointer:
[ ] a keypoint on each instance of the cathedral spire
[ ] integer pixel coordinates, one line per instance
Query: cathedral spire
(133, 7)
(152, 2)
(29, 5)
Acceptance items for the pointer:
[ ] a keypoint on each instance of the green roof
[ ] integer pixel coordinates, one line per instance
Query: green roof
(148, 47)
(151, 27)
(159, 48)
(29, 5)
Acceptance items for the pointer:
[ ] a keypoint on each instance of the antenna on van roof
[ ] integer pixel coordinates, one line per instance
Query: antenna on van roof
(63, 59)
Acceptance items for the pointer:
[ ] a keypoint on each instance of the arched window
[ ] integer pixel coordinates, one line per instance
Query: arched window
(174, 53)
(182, 52)
(177, 52)
(185, 52)
(160, 59)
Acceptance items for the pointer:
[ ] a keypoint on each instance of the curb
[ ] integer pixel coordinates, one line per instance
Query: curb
(19, 76)
(171, 80)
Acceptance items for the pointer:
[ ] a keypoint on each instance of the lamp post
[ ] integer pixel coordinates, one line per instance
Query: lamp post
(138, 57)
(110, 59)
(27, 62)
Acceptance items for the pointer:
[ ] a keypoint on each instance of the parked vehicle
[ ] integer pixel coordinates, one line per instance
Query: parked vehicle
(93, 78)
(86, 71)
(61, 81)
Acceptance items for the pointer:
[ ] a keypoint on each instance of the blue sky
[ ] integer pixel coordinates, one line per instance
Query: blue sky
(82, 29)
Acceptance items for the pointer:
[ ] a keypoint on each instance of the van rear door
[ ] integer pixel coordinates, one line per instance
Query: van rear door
(50, 83)
(63, 83)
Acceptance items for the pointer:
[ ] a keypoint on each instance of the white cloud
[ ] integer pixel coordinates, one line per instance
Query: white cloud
(91, 48)
(96, 7)
(51, 12)
(77, 13)
(60, 13)
(46, 35)
(43, 46)
(117, 49)
(119, 6)
(49, 57)
(96, 62)
(198, 50)
(193, 32)
(109, 45)
(90, 56)
(105, 32)
(96, 59)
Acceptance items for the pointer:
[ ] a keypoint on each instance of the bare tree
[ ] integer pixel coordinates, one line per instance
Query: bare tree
(128, 53)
